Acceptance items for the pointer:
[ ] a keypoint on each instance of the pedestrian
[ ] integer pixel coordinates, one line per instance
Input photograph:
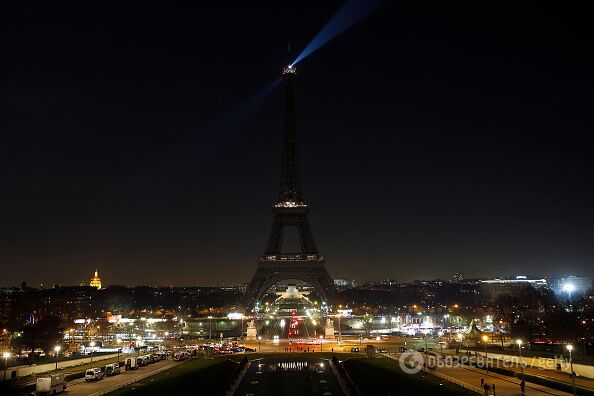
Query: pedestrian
(493, 388)
(482, 382)
(523, 387)
(332, 350)
(486, 388)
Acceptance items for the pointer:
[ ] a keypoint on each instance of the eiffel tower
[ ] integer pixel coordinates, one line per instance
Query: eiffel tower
(290, 212)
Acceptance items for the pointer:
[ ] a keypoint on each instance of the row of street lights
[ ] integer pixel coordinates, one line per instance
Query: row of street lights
(569, 349)
(520, 342)
(57, 348)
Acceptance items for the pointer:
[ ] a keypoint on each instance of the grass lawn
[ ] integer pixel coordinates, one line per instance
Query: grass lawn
(198, 376)
(383, 377)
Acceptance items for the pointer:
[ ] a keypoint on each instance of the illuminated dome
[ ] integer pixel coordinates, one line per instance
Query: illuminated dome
(95, 281)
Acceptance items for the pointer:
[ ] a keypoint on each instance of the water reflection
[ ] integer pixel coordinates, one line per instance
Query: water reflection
(288, 377)
(296, 365)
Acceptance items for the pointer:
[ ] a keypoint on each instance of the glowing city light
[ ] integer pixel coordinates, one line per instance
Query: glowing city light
(569, 288)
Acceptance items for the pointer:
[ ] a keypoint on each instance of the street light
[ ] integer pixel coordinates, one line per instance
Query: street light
(570, 348)
(5, 355)
(339, 334)
(485, 339)
(519, 342)
(57, 350)
(119, 341)
(210, 327)
(92, 345)
(241, 337)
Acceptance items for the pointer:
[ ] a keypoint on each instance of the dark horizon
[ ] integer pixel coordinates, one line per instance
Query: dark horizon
(434, 139)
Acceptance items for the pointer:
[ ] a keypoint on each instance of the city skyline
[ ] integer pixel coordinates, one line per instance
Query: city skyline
(351, 197)
(138, 153)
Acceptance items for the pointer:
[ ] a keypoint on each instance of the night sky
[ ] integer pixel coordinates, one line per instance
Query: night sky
(434, 138)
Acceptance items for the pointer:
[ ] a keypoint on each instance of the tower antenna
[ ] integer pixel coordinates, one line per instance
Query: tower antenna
(289, 60)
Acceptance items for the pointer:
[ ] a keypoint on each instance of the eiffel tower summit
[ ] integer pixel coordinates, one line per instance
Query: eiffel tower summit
(281, 261)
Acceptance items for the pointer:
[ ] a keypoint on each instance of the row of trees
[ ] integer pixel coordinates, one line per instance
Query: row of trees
(44, 335)
(537, 313)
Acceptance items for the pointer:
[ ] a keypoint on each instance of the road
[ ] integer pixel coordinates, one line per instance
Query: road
(558, 376)
(504, 385)
(83, 388)
(25, 384)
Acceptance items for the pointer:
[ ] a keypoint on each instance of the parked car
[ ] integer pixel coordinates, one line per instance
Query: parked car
(179, 356)
(355, 349)
(382, 350)
(112, 369)
(52, 384)
(131, 363)
(94, 374)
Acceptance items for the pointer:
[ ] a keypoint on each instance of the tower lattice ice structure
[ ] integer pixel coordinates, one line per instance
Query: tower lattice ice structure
(290, 211)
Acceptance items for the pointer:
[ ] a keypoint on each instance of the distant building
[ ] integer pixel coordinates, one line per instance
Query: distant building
(95, 281)
(568, 285)
(344, 283)
(494, 288)
(428, 282)
(458, 277)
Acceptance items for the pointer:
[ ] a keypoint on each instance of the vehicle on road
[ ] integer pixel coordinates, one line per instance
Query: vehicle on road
(142, 361)
(131, 363)
(94, 374)
(355, 349)
(179, 356)
(382, 350)
(52, 384)
(112, 369)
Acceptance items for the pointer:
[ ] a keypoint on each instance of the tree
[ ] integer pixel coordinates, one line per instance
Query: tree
(367, 320)
(44, 334)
